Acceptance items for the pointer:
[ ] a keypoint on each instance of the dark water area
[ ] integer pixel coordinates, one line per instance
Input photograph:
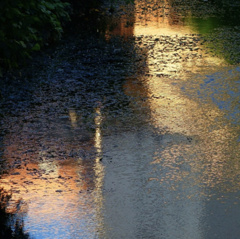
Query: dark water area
(130, 130)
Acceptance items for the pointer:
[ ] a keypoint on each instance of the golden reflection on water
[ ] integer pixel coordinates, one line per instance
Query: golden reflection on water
(60, 194)
(196, 132)
(195, 153)
(198, 145)
(193, 130)
(98, 136)
(158, 17)
(73, 117)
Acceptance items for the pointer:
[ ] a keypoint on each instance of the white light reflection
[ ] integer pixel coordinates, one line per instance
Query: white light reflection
(98, 137)
(99, 171)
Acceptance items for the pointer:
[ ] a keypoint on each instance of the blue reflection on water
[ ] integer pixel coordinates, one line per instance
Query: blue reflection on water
(222, 89)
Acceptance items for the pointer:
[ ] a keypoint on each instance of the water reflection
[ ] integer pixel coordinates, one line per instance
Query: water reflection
(99, 172)
(193, 129)
(123, 25)
(158, 17)
(164, 172)
(73, 117)
(173, 173)
(63, 195)
(98, 136)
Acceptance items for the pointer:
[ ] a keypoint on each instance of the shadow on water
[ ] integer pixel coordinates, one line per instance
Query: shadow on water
(128, 132)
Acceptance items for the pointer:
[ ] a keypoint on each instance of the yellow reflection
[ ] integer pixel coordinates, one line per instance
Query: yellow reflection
(194, 130)
(73, 117)
(174, 52)
(98, 136)
(199, 144)
(158, 18)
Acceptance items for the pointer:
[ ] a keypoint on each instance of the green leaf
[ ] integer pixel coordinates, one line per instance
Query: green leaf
(21, 43)
(36, 47)
(50, 5)
(16, 11)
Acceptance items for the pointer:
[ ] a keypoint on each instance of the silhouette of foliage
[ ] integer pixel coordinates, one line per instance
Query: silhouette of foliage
(11, 227)
(27, 25)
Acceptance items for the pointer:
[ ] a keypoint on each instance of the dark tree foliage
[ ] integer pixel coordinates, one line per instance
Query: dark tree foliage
(27, 25)
(83, 7)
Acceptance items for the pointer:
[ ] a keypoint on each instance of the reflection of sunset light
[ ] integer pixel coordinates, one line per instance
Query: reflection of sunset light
(57, 198)
(121, 29)
(98, 137)
(98, 167)
(171, 110)
(161, 29)
(49, 167)
(59, 193)
(157, 18)
(174, 52)
(73, 117)
(175, 56)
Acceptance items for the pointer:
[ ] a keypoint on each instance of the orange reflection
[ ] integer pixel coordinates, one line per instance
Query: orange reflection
(157, 17)
(56, 189)
(122, 25)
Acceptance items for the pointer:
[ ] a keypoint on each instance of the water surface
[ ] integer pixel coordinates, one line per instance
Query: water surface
(135, 137)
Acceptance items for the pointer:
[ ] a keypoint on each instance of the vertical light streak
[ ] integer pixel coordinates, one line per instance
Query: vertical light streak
(73, 118)
(98, 169)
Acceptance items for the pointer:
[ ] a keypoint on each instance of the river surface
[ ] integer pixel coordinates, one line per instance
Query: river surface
(132, 132)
